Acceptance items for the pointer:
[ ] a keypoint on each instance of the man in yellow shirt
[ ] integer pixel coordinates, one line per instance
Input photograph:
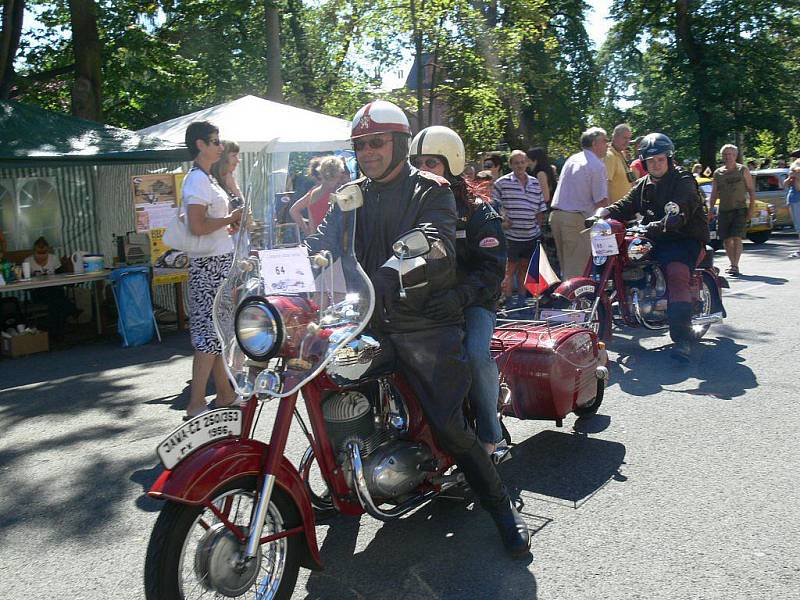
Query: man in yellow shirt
(620, 177)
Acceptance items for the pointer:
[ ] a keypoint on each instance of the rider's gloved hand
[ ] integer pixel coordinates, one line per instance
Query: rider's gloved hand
(387, 286)
(444, 306)
(655, 228)
(588, 223)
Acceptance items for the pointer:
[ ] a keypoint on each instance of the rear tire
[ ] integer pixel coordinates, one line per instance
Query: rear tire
(704, 307)
(173, 569)
(585, 301)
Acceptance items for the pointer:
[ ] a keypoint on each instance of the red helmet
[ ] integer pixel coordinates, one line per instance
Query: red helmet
(379, 116)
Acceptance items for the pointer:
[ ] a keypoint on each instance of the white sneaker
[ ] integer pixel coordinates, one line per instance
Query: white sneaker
(795, 254)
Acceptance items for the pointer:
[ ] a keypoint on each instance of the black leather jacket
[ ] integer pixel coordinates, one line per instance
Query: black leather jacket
(648, 198)
(390, 209)
(481, 255)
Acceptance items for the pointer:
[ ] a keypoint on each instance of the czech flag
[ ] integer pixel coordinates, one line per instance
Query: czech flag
(540, 274)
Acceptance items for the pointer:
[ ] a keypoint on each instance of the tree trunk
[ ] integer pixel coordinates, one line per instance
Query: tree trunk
(13, 11)
(273, 35)
(310, 97)
(87, 91)
(693, 50)
(419, 67)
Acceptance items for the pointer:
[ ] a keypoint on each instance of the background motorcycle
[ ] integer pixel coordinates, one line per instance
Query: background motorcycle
(636, 285)
(239, 518)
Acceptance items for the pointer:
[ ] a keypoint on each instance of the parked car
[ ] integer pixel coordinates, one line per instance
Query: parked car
(759, 228)
(769, 188)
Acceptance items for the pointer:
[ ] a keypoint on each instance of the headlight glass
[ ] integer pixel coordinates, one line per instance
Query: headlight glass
(638, 249)
(258, 328)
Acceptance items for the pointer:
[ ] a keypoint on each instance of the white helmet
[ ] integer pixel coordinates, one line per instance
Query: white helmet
(440, 141)
(379, 116)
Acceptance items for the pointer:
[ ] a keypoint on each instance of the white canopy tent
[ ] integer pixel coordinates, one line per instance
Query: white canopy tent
(257, 124)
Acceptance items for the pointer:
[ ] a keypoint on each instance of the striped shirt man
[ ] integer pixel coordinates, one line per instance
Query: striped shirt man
(520, 204)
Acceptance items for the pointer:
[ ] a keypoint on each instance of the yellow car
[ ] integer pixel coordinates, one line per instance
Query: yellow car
(759, 228)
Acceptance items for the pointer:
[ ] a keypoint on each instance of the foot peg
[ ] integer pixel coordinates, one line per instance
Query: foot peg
(450, 480)
(501, 454)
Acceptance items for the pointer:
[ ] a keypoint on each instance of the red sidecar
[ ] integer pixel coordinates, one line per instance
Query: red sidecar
(548, 371)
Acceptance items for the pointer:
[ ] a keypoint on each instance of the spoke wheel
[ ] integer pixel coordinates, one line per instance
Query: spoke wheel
(585, 302)
(193, 555)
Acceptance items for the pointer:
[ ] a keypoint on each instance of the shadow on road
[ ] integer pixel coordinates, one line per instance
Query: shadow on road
(716, 364)
(89, 359)
(562, 466)
(444, 550)
(94, 497)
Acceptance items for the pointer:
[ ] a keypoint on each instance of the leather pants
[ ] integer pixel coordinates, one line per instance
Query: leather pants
(435, 365)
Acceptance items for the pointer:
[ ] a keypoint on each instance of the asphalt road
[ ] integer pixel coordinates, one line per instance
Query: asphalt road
(684, 486)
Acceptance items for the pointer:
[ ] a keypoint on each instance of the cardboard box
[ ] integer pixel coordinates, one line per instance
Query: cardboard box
(27, 343)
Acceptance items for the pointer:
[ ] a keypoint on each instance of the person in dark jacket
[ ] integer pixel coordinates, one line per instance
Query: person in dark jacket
(674, 214)
(481, 259)
(396, 199)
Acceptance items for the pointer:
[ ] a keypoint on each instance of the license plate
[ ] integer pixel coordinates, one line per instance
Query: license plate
(203, 429)
(562, 316)
(758, 220)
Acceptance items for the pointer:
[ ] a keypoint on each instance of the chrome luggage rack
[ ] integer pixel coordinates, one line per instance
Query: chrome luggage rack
(538, 326)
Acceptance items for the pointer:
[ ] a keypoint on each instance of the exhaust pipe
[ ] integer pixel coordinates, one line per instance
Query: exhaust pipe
(708, 319)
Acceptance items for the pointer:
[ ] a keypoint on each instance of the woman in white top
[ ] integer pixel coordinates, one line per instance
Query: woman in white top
(208, 214)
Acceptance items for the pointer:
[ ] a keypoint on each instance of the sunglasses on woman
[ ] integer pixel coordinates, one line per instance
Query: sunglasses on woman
(374, 143)
(430, 162)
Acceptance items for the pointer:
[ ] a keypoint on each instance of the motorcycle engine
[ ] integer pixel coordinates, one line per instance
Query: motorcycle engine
(390, 464)
(649, 281)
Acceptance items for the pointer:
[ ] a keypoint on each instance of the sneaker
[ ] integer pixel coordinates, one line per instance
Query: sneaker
(795, 254)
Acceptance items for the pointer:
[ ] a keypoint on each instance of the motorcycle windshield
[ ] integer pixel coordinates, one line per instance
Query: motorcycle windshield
(284, 309)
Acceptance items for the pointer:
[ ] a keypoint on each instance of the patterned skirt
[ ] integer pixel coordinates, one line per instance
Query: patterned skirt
(205, 276)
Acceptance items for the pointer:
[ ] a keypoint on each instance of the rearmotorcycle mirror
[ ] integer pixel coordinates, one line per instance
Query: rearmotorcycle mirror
(411, 245)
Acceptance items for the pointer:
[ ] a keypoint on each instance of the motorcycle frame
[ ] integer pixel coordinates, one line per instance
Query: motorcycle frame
(195, 478)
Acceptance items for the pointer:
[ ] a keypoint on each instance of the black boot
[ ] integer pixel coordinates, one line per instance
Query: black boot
(482, 477)
(679, 316)
(513, 529)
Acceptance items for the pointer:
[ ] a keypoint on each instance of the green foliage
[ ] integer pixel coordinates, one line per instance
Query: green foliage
(703, 70)
(766, 143)
(510, 72)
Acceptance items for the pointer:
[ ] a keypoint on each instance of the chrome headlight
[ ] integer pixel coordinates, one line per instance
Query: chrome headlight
(639, 248)
(258, 328)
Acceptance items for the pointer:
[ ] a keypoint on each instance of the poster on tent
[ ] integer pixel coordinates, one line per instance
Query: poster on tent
(156, 199)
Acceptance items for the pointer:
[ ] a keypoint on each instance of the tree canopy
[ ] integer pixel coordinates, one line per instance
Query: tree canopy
(503, 73)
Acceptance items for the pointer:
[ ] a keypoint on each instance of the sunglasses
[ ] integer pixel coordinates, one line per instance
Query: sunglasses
(374, 143)
(488, 165)
(431, 162)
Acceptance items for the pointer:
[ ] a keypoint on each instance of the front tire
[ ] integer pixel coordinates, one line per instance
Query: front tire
(191, 553)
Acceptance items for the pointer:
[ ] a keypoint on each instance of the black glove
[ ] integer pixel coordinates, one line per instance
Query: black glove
(655, 228)
(387, 285)
(444, 306)
(590, 221)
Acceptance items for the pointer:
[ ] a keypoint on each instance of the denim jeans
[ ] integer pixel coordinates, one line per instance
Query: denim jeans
(485, 388)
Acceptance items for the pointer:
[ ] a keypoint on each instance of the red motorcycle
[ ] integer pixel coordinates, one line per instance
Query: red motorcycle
(239, 518)
(621, 274)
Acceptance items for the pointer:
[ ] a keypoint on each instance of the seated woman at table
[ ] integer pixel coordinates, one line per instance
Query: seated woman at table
(42, 262)
(59, 307)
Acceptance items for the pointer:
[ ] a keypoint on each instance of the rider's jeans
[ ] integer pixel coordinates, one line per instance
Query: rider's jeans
(484, 392)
